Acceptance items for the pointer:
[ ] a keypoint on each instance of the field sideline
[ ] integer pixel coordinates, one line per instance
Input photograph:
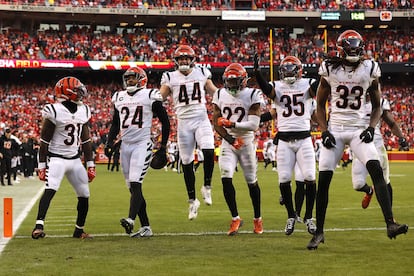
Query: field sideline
(356, 241)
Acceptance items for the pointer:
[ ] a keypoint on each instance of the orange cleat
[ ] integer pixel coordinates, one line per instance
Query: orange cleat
(234, 226)
(258, 225)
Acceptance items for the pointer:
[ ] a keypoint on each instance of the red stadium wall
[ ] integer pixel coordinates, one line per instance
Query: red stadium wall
(403, 156)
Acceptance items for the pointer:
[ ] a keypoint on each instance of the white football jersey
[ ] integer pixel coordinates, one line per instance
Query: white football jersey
(385, 106)
(348, 91)
(135, 113)
(188, 92)
(293, 103)
(236, 108)
(66, 139)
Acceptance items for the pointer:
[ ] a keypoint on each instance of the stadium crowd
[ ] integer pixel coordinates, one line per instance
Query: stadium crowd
(82, 43)
(269, 5)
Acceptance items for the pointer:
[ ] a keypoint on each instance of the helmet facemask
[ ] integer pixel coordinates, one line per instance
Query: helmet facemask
(353, 49)
(184, 67)
(233, 85)
(289, 73)
(140, 80)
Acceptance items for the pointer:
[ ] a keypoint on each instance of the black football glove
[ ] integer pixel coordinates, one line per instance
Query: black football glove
(108, 151)
(403, 144)
(367, 136)
(256, 65)
(159, 159)
(328, 140)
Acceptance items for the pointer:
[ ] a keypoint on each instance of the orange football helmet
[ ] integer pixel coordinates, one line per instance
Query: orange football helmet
(184, 51)
(350, 46)
(290, 69)
(140, 79)
(70, 88)
(235, 78)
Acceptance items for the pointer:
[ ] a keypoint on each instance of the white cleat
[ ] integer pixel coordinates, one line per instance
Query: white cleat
(193, 209)
(206, 192)
(143, 232)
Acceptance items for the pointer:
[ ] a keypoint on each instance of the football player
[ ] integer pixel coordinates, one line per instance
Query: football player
(134, 109)
(64, 134)
(292, 96)
(188, 86)
(346, 79)
(236, 117)
(359, 171)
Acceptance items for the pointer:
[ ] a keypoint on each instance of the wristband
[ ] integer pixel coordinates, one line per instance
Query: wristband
(42, 165)
(90, 164)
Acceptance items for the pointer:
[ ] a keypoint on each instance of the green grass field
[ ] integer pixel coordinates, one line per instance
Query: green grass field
(355, 239)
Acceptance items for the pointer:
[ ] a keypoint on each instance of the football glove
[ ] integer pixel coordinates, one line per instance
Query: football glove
(223, 122)
(238, 143)
(91, 173)
(328, 140)
(403, 144)
(256, 64)
(41, 171)
(159, 159)
(367, 135)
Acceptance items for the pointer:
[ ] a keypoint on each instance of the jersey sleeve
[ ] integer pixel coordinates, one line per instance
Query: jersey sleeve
(385, 104)
(155, 95)
(49, 113)
(323, 70)
(376, 70)
(216, 97)
(165, 79)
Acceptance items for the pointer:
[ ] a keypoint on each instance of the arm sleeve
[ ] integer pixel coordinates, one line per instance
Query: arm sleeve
(264, 85)
(114, 130)
(252, 123)
(162, 115)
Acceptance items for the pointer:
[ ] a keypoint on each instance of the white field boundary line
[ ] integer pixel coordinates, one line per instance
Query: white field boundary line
(168, 234)
(20, 218)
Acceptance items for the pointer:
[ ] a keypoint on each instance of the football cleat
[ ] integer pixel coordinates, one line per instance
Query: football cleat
(234, 226)
(38, 233)
(206, 192)
(79, 234)
(311, 226)
(290, 226)
(258, 225)
(315, 241)
(128, 225)
(395, 229)
(143, 232)
(193, 209)
(367, 199)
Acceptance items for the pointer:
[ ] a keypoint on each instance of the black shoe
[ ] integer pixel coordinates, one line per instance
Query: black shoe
(38, 233)
(79, 234)
(315, 241)
(2, 184)
(395, 229)
(129, 227)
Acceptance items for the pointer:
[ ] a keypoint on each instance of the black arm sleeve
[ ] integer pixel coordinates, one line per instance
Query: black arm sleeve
(114, 130)
(264, 85)
(265, 117)
(314, 86)
(162, 115)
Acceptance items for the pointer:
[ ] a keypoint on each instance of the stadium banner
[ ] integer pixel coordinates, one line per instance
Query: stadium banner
(310, 68)
(244, 15)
